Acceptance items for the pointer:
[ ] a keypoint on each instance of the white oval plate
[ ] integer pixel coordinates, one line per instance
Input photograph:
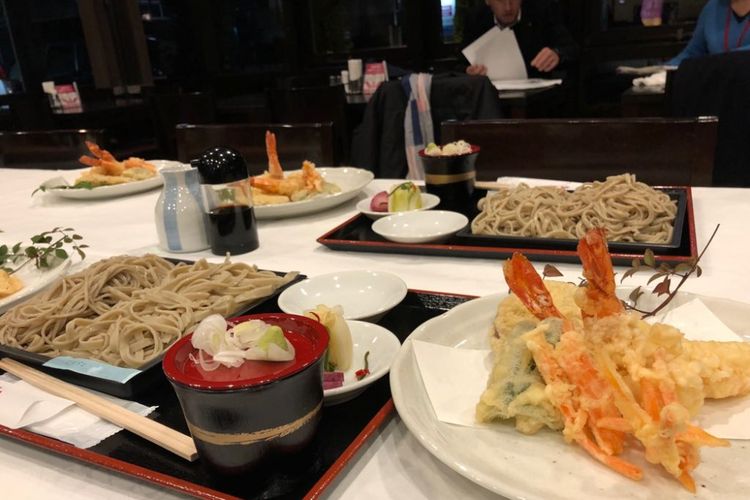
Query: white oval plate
(365, 295)
(34, 280)
(383, 346)
(543, 466)
(428, 201)
(114, 190)
(350, 180)
(420, 227)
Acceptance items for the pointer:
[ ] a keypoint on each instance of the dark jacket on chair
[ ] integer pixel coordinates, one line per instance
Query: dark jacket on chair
(719, 85)
(378, 142)
(540, 26)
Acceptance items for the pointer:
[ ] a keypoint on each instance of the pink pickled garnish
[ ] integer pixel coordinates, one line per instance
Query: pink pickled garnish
(332, 380)
(379, 202)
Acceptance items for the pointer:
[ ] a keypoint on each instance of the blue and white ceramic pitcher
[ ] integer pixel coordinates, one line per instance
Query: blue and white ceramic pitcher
(180, 219)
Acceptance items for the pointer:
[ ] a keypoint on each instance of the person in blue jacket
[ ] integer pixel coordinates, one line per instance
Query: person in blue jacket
(723, 26)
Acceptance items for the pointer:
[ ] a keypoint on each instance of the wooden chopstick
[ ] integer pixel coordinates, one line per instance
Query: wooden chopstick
(491, 186)
(159, 434)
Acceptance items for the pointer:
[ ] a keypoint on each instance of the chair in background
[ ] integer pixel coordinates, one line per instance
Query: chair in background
(315, 104)
(719, 85)
(244, 108)
(378, 142)
(295, 143)
(28, 111)
(170, 109)
(49, 149)
(659, 151)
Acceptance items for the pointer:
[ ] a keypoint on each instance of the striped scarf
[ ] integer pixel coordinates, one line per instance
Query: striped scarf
(417, 121)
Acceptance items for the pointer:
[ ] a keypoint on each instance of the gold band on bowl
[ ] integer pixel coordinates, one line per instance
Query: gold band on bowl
(244, 438)
(449, 179)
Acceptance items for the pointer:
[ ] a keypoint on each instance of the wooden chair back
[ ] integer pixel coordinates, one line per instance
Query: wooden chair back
(49, 149)
(170, 109)
(659, 151)
(28, 111)
(294, 142)
(314, 104)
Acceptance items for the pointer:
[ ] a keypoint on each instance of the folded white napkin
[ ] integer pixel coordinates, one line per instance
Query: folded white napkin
(24, 406)
(655, 81)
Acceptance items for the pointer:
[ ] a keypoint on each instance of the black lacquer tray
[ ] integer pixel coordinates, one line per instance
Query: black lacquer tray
(343, 429)
(150, 374)
(357, 235)
(678, 195)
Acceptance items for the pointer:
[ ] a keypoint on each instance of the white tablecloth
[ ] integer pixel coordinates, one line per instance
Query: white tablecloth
(394, 465)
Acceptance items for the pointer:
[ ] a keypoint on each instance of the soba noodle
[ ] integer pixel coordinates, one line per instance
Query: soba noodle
(126, 310)
(629, 210)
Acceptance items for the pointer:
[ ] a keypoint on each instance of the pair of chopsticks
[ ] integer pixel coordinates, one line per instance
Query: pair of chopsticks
(159, 434)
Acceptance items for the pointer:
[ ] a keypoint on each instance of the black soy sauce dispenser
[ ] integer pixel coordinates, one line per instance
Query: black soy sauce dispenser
(228, 201)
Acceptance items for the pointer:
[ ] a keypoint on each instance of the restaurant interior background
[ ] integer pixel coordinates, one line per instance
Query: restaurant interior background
(239, 61)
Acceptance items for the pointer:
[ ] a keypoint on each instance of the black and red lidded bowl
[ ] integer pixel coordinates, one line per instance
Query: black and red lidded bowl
(242, 417)
(451, 177)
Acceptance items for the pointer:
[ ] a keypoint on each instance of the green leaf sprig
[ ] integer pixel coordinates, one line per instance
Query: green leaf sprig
(663, 275)
(78, 185)
(44, 248)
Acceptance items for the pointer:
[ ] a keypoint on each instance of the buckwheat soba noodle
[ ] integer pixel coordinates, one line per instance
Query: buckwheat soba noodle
(630, 211)
(127, 310)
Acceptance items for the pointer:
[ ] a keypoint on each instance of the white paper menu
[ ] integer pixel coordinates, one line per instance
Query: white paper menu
(499, 51)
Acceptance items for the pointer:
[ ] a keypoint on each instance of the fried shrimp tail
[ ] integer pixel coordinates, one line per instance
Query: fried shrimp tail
(274, 167)
(599, 298)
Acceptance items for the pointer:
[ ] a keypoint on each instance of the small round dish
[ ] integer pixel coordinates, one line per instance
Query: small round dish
(364, 295)
(383, 347)
(420, 227)
(428, 201)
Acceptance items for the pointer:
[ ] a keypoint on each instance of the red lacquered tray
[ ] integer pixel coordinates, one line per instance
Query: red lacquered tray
(343, 430)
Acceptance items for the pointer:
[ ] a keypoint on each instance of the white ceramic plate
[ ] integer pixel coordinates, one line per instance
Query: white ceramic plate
(428, 201)
(34, 280)
(365, 295)
(543, 466)
(420, 227)
(383, 346)
(110, 191)
(350, 180)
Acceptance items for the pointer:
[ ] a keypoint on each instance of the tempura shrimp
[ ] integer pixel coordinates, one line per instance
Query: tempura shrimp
(104, 163)
(574, 385)
(657, 417)
(296, 185)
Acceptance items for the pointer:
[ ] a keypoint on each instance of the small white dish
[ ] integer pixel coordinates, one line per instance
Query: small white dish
(428, 201)
(364, 295)
(420, 227)
(383, 347)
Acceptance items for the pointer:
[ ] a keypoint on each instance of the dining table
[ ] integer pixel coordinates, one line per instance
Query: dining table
(393, 463)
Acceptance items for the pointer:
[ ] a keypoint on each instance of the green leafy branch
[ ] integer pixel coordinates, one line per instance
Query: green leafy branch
(44, 247)
(78, 185)
(663, 274)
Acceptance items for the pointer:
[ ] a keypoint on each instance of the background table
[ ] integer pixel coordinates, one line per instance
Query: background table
(394, 464)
